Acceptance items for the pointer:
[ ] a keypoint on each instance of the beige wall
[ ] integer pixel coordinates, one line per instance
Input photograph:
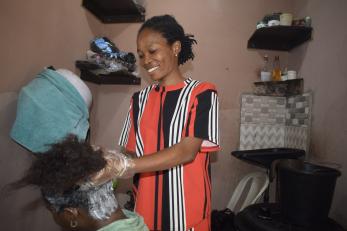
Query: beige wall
(37, 33)
(323, 65)
(22, 209)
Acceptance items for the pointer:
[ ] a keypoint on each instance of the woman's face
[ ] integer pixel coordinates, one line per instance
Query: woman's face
(156, 56)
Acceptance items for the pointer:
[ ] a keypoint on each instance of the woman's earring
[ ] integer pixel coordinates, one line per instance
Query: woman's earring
(176, 55)
(73, 223)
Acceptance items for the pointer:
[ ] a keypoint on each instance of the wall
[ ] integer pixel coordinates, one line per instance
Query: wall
(34, 34)
(21, 209)
(38, 33)
(322, 63)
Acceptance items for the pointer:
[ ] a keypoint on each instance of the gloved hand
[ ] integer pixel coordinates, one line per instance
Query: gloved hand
(118, 165)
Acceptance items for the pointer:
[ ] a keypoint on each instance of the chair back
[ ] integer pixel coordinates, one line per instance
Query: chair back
(257, 182)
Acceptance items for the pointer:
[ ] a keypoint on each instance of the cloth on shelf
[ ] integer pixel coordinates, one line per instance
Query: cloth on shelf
(48, 109)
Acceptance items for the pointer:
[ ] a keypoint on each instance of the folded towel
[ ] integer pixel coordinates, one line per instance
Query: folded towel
(48, 109)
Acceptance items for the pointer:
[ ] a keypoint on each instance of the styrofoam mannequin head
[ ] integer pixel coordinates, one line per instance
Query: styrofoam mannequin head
(80, 86)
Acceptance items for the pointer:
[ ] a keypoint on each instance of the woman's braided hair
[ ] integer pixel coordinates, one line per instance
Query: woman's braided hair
(172, 32)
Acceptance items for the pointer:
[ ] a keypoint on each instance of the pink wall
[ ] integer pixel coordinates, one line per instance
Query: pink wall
(44, 32)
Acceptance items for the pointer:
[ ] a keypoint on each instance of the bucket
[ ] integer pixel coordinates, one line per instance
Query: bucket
(305, 191)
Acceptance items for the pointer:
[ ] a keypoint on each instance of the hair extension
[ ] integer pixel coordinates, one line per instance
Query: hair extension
(172, 31)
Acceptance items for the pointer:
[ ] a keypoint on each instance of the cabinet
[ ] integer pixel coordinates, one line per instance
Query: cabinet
(111, 11)
(281, 38)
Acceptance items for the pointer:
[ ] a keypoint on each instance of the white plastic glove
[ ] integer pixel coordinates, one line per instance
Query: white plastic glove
(118, 165)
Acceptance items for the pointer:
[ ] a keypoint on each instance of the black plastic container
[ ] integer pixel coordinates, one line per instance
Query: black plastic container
(305, 192)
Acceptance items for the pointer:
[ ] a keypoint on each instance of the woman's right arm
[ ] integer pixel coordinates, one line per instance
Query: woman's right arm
(180, 153)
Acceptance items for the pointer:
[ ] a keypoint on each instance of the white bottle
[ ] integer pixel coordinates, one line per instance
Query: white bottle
(265, 74)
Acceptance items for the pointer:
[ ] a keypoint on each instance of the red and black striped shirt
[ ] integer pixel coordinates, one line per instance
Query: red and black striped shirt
(159, 117)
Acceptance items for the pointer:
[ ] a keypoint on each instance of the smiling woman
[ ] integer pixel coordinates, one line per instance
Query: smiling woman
(171, 127)
(162, 46)
(157, 56)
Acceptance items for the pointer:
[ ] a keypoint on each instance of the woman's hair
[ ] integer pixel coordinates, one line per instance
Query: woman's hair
(99, 201)
(172, 32)
(62, 175)
(64, 165)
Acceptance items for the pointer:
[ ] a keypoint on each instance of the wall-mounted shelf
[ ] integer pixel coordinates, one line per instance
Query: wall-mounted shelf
(89, 73)
(279, 88)
(282, 38)
(112, 78)
(115, 11)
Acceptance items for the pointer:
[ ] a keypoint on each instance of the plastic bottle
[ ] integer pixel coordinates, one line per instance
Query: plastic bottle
(266, 64)
(276, 71)
(265, 74)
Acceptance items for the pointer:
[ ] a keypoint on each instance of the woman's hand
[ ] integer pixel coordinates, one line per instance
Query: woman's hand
(118, 166)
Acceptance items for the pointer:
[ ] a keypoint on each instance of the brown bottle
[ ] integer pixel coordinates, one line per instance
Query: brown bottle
(276, 71)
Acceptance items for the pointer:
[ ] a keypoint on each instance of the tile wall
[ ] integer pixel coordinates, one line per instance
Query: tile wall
(270, 121)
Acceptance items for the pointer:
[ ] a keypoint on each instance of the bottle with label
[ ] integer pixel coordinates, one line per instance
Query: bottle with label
(265, 74)
(266, 67)
(276, 71)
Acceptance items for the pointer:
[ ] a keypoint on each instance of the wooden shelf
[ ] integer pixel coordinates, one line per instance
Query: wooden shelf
(282, 38)
(112, 11)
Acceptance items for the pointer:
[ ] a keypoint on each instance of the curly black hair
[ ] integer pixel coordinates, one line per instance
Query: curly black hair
(172, 31)
(63, 166)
